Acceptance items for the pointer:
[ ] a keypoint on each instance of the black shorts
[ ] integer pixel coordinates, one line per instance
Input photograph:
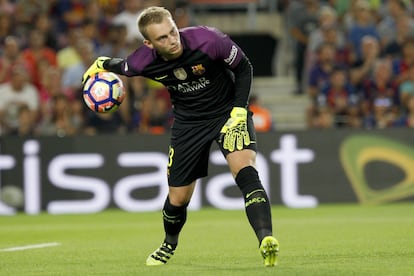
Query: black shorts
(189, 149)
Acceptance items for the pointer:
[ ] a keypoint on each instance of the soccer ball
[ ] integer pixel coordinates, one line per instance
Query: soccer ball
(12, 196)
(103, 92)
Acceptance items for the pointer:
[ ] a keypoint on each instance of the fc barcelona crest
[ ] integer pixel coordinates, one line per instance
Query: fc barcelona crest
(180, 73)
(198, 69)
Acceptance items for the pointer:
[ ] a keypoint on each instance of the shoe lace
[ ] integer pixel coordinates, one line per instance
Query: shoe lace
(163, 253)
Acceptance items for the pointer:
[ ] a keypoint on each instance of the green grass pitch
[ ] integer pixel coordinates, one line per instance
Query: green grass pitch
(328, 240)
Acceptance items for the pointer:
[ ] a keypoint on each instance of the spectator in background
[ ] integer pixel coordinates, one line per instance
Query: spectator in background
(25, 14)
(72, 74)
(14, 94)
(160, 116)
(380, 104)
(182, 15)
(104, 123)
(320, 72)
(43, 23)
(303, 20)
(51, 79)
(69, 14)
(109, 8)
(60, 121)
(7, 7)
(10, 58)
(98, 23)
(387, 27)
(328, 32)
(115, 44)
(6, 26)
(342, 8)
(340, 98)
(333, 35)
(163, 103)
(364, 25)
(143, 113)
(68, 55)
(322, 118)
(90, 31)
(403, 63)
(406, 89)
(407, 119)
(128, 17)
(95, 12)
(348, 10)
(50, 83)
(137, 91)
(363, 68)
(155, 114)
(404, 30)
(36, 54)
(26, 123)
(382, 116)
(327, 17)
(262, 117)
(319, 77)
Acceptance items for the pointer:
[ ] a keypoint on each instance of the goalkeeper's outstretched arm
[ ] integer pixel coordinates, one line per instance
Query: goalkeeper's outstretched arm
(103, 64)
(114, 65)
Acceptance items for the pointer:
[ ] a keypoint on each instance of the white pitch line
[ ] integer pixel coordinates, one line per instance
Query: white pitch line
(28, 247)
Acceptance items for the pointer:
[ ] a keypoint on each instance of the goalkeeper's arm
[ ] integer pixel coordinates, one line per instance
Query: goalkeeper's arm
(234, 132)
(243, 74)
(103, 64)
(114, 65)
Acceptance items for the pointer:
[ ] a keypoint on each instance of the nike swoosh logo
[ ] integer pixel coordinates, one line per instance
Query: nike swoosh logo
(126, 67)
(258, 190)
(170, 217)
(161, 78)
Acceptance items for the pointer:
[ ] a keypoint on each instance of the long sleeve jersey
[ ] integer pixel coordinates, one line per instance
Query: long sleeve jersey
(210, 77)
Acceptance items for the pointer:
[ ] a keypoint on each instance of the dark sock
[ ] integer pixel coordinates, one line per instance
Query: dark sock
(174, 218)
(257, 204)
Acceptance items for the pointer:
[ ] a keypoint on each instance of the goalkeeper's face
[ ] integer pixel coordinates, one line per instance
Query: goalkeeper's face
(165, 38)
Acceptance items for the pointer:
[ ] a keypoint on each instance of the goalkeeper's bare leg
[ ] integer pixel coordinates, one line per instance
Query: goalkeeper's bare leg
(257, 205)
(174, 217)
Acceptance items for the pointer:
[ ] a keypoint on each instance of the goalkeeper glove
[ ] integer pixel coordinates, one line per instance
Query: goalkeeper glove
(96, 67)
(234, 132)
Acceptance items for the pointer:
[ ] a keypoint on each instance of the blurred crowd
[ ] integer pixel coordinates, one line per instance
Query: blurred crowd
(355, 60)
(46, 46)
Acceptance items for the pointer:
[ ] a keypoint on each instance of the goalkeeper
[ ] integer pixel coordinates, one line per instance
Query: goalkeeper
(209, 78)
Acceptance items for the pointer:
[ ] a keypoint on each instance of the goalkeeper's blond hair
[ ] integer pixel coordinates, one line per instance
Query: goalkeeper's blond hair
(150, 16)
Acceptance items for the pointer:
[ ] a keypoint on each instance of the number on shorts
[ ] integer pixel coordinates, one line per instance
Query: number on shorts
(170, 156)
